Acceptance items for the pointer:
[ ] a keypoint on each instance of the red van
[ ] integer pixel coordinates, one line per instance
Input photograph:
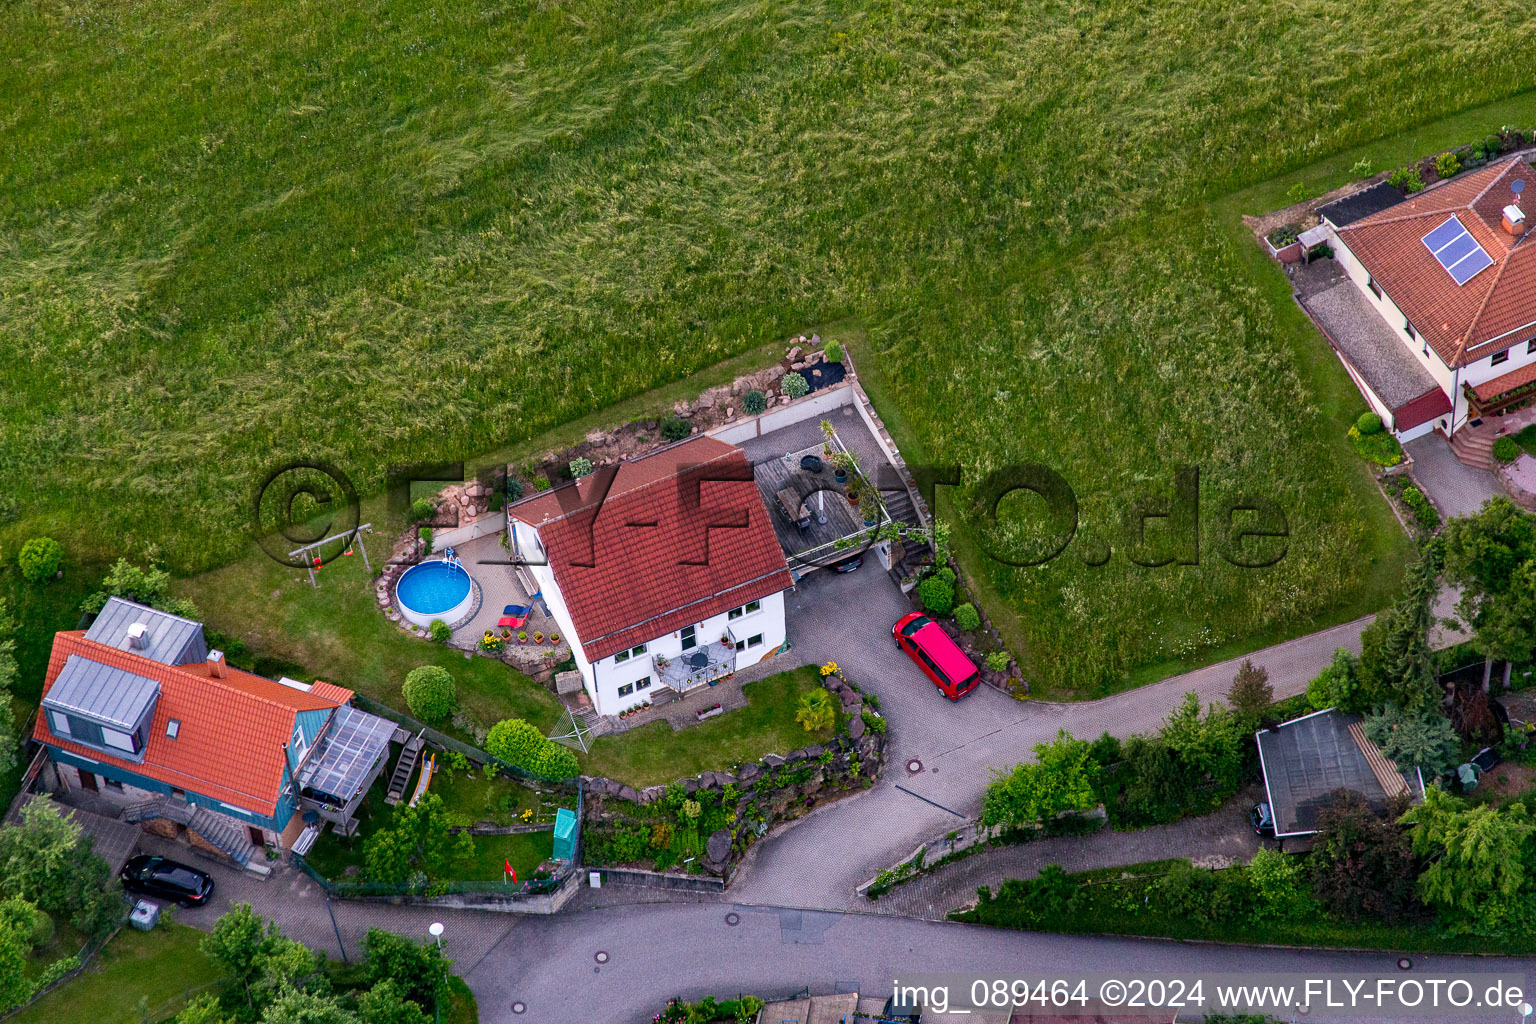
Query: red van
(936, 654)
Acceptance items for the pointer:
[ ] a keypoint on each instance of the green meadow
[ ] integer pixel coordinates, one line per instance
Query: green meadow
(375, 232)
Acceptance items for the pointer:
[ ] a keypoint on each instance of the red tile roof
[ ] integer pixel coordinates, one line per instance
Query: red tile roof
(1426, 407)
(1491, 389)
(230, 744)
(1493, 310)
(664, 541)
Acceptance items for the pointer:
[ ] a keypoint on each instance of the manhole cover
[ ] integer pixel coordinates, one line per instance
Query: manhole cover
(600, 957)
(733, 919)
(1404, 963)
(914, 766)
(519, 1008)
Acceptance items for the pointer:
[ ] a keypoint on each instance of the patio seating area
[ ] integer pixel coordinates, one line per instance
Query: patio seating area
(501, 585)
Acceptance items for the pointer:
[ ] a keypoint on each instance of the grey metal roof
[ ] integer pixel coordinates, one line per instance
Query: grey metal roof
(350, 749)
(172, 640)
(1305, 760)
(102, 693)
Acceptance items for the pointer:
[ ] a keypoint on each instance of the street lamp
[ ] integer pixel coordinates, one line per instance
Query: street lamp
(436, 931)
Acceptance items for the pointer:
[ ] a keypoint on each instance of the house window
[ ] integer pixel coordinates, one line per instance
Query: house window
(173, 728)
(84, 731)
(621, 657)
(1370, 282)
(119, 740)
(1530, 347)
(643, 683)
(1499, 357)
(633, 652)
(300, 747)
(755, 641)
(1409, 328)
(112, 784)
(746, 609)
(689, 640)
(626, 690)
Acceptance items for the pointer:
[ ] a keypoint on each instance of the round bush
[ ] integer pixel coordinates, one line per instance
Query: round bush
(754, 402)
(1506, 449)
(795, 386)
(834, 352)
(967, 617)
(997, 661)
(675, 429)
(937, 595)
(429, 692)
(1368, 423)
(439, 631)
(422, 509)
(513, 741)
(40, 558)
(580, 468)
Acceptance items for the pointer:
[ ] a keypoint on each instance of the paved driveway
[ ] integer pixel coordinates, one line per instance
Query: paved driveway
(1455, 487)
(821, 860)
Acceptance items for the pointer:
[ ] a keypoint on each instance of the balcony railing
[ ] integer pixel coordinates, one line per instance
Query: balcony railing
(696, 667)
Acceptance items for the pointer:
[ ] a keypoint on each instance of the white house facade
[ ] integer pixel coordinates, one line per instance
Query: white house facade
(663, 571)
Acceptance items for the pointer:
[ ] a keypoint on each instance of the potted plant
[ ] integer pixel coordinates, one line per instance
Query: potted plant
(538, 636)
(554, 637)
(522, 636)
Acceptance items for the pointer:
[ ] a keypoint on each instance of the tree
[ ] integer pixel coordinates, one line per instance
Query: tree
(236, 945)
(513, 740)
(417, 841)
(429, 692)
(203, 1009)
(1280, 891)
(298, 1007)
(386, 1004)
(15, 986)
(1423, 740)
(1338, 685)
(37, 852)
(1478, 862)
(1396, 663)
(1361, 865)
(418, 969)
(1491, 556)
(1250, 694)
(1061, 779)
(815, 710)
(1210, 745)
(151, 586)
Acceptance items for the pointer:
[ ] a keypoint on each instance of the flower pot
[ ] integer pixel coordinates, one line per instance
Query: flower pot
(840, 475)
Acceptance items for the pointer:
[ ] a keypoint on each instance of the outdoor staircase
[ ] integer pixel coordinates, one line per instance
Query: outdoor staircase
(1473, 447)
(899, 505)
(224, 834)
(403, 768)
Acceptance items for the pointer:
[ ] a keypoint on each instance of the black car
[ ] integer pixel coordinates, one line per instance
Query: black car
(1262, 820)
(168, 879)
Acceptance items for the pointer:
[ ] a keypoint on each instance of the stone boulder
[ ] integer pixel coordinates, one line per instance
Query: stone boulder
(773, 760)
(856, 727)
(628, 793)
(749, 772)
(717, 848)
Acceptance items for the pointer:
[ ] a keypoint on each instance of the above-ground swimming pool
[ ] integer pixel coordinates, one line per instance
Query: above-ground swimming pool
(438, 589)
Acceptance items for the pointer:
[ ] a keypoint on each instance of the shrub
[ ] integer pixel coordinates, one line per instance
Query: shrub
(541, 483)
(519, 743)
(1447, 165)
(834, 352)
(998, 661)
(1368, 423)
(423, 509)
(1284, 235)
(815, 711)
(1361, 865)
(1337, 685)
(429, 692)
(754, 402)
(426, 539)
(675, 429)
(1280, 892)
(1423, 512)
(1380, 448)
(873, 722)
(967, 617)
(1407, 179)
(40, 558)
(946, 574)
(1299, 192)
(1362, 168)
(580, 468)
(794, 385)
(1425, 741)
(439, 631)
(1506, 449)
(937, 595)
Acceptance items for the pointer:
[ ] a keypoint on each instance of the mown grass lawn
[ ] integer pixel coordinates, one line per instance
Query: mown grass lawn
(243, 233)
(137, 976)
(654, 754)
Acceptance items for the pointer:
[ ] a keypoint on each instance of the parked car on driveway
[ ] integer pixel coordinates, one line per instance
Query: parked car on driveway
(1262, 820)
(167, 879)
(940, 658)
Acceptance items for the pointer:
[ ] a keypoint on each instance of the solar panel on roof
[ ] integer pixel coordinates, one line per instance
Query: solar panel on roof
(1457, 251)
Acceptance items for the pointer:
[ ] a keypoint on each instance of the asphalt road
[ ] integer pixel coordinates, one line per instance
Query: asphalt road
(658, 951)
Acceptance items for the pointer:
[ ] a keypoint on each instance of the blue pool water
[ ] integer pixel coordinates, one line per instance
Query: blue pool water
(433, 587)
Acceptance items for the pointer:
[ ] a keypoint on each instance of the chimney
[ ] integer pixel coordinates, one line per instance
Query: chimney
(1514, 220)
(138, 636)
(216, 667)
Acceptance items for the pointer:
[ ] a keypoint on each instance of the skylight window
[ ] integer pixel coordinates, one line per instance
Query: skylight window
(1457, 251)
